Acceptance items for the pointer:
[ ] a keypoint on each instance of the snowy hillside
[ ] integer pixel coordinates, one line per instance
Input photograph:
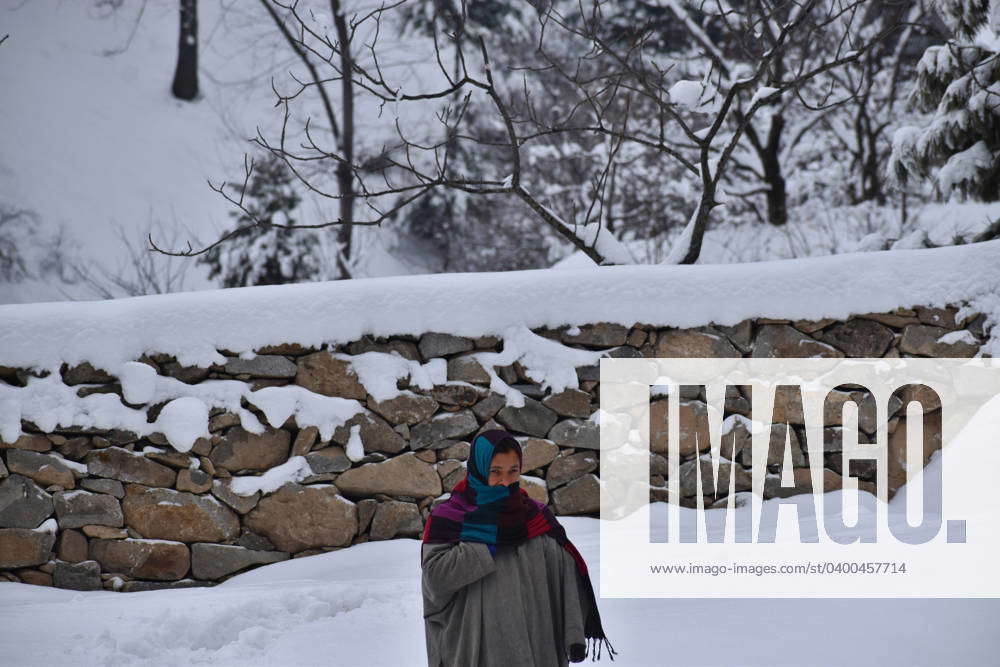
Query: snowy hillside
(93, 140)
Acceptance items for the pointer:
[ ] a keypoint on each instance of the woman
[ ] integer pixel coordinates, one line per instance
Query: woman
(502, 584)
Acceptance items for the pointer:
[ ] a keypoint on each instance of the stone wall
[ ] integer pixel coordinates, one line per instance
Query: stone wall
(87, 508)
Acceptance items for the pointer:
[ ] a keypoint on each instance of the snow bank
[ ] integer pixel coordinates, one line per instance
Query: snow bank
(193, 326)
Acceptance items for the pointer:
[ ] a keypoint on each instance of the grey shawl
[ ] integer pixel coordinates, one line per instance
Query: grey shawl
(521, 608)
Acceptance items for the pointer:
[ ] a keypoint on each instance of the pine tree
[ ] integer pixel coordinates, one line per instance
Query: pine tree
(958, 84)
(260, 254)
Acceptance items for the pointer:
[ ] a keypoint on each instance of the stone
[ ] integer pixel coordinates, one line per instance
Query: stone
(304, 441)
(195, 481)
(45, 469)
(75, 509)
(82, 576)
(325, 374)
(568, 403)
(75, 449)
(602, 334)
(453, 477)
(290, 349)
(396, 519)
(699, 342)
(739, 334)
(3, 470)
(567, 467)
(691, 414)
(222, 489)
(930, 432)
(435, 344)
(262, 366)
(144, 586)
(242, 450)
(812, 326)
(125, 466)
(445, 468)
(863, 468)
(636, 337)
(897, 319)
(105, 532)
(222, 421)
(403, 475)
(785, 341)
(689, 482)
(535, 488)
(142, 559)
(328, 459)
(72, 546)
(405, 408)
(112, 487)
(427, 455)
(458, 451)
(298, 517)
(529, 389)
(445, 426)
(940, 317)
(537, 453)
(366, 510)
(23, 504)
(922, 339)
(186, 374)
(577, 433)
(461, 394)
(859, 337)
(35, 578)
(375, 433)
(170, 457)
(214, 561)
(532, 419)
(21, 547)
(252, 540)
(489, 406)
(779, 434)
(467, 369)
(928, 398)
(404, 348)
(167, 514)
(581, 496)
(30, 442)
(85, 374)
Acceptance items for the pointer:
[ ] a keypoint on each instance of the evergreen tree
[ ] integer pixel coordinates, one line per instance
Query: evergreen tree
(260, 254)
(958, 84)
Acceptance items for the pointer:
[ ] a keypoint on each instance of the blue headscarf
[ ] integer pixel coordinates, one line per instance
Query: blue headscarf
(480, 458)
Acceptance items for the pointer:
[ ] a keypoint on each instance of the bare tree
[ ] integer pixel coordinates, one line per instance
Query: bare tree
(614, 92)
(138, 272)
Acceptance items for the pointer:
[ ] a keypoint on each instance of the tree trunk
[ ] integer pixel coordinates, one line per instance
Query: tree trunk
(186, 75)
(345, 175)
(770, 157)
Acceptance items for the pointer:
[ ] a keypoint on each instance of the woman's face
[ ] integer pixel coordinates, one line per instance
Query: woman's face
(505, 468)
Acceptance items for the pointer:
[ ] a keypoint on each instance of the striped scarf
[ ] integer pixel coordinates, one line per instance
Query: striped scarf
(507, 515)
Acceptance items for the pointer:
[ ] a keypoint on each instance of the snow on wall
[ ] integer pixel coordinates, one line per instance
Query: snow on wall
(193, 326)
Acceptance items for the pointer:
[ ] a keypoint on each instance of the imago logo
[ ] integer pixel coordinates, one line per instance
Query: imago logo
(815, 476)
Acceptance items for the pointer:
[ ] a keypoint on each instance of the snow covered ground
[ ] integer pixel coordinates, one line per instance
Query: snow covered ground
(362, 607)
